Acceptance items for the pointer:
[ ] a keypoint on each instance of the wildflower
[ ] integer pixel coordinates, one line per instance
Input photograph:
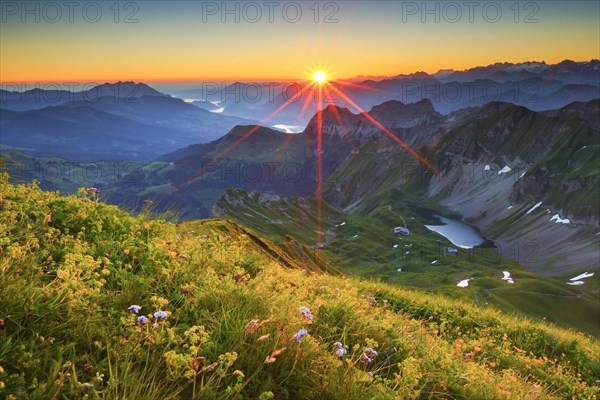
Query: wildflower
(160, 314)
(366, 358)
(195, 362)
(92, 190)
(251, 326)
(210, 367)
(341, 351)
(299, 335)
(142, 320)
(384, 301)
(269, 360)
(126, 251)
(134, 308)
(371, 374)
(185, 291)
(183, 256)
(371, 352)
(237, 372)
(305, 314)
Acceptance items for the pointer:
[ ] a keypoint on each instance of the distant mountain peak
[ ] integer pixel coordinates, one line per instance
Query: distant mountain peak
(394, 114)
(414, 75)
(337, 122)
(125, 89)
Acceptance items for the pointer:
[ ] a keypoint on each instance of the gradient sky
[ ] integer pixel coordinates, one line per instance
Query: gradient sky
(179, 40)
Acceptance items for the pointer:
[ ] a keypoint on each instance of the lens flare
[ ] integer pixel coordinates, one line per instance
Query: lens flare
(319, 77)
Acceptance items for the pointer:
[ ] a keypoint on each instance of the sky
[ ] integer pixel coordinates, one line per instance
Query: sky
(157, 41)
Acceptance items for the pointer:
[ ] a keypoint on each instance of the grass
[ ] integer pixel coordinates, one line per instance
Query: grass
(71, 267)
(363, 246)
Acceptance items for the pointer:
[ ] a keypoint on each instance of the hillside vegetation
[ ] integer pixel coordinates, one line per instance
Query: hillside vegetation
(95, 303)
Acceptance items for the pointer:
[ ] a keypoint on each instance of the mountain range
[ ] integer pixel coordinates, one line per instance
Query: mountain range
(121, 121)
(535, 85)
(493, 164)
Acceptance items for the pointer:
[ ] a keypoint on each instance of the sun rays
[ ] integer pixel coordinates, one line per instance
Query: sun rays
(318, 89)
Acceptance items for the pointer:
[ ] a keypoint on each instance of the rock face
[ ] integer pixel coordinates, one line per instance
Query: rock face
(341, 124)
(496, 162)
(394, 114)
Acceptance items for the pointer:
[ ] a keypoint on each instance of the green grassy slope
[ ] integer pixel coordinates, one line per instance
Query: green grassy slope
(363, 245)
(71, 267)
(220, 313)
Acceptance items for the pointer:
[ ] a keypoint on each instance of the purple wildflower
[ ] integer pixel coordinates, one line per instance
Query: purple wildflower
(306, 314)
(299, 335)
(341, 352)
(160, 314)
(185, 291)
(366, 358)
(134, 308)
(142, 320)
(371, 352)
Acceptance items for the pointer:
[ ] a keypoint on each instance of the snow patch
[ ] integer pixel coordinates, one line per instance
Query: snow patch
(343, 223)
(559, 219)
(507, 277)
(395, 246)
(487, 167)
(523, 174)
(576, 283)
(534, 207)
(288, 128)
(464, 282)
(354, 237)
(582, 276)
(504, 170)
(509, 207)
(434, 261)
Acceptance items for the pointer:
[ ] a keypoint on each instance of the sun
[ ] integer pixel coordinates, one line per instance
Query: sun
(319, 77)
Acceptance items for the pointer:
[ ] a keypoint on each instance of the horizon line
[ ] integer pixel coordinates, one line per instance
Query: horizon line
(365, 76)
